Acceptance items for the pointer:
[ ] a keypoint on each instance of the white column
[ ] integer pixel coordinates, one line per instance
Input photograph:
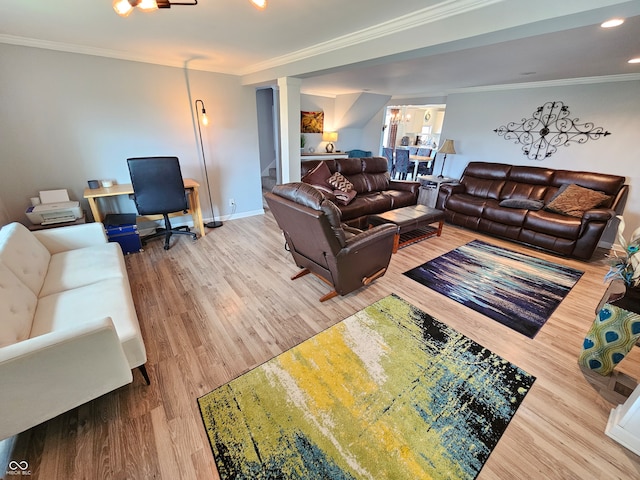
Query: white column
(289, 102)
(624, 423)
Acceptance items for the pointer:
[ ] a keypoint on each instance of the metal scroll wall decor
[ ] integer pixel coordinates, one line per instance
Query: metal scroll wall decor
(549, 128)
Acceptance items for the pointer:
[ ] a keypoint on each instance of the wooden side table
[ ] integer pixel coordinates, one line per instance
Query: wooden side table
(429, 188)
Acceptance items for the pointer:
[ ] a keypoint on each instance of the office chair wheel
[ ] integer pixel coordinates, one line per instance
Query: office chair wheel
(194, 236)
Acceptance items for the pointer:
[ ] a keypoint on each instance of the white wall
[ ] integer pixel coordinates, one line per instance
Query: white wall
(67, 118)
(471, 118)
(367, 138)
(316, 103)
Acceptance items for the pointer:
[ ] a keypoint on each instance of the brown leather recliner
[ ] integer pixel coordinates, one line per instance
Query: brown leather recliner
(344, 257)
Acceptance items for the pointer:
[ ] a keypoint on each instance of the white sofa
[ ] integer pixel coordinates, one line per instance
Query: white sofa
(68, 326)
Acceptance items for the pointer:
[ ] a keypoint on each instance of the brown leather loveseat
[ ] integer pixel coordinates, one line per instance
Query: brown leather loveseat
(542, 207)
(375, 192)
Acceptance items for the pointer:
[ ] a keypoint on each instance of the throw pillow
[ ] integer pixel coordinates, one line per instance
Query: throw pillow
(525, 203)
(560, 191)
(576, 200)
(318, 176)
(339, 182)
(344, 198)
(326, 191)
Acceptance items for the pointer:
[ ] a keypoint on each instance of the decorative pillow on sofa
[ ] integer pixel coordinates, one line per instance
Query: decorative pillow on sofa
(339, 182)
(318, 176)
(575, 200)
(344, 198)
(326, 191)
(525, 203)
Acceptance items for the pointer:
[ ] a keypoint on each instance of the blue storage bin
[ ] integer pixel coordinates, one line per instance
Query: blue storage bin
(122, 228)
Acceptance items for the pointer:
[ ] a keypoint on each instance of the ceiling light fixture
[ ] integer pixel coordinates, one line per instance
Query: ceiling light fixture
(634, 60)
(260, 4)
(614, 22)
(125, 7)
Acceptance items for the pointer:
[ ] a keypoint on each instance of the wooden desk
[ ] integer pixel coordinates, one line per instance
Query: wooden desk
(92, 194)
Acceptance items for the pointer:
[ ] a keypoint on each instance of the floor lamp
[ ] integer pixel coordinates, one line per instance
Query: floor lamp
(447, 147)
(205, 122)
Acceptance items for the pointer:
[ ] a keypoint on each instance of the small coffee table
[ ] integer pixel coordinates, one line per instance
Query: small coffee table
(413, 223)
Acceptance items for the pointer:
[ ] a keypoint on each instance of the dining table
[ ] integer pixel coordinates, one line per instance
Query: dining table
(418, 159)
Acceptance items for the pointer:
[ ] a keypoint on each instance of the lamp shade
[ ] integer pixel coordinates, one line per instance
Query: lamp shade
(330, 136)
(447, 147)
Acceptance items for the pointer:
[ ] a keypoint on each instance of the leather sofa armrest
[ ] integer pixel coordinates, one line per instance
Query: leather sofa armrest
(601, 215)
(451, 188)
(368, 237)
(350, 229)
(445, 191)
(409, 186)
(598, 215)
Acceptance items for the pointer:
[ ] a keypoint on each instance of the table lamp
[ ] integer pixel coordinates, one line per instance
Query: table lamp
(447, 147)
(329, 137)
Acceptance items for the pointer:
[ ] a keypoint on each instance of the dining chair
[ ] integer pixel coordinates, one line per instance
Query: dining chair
(425, 168)
(158, 189)
(402, 165)
(388, 153)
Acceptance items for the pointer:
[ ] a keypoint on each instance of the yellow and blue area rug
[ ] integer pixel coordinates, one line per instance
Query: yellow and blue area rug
(517, 290)
(388, 393)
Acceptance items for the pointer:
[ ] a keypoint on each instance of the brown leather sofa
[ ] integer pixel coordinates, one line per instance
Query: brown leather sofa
(478, 203)
(376, 192)
(342, 256)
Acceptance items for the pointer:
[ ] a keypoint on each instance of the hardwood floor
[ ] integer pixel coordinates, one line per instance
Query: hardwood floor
(213, 309)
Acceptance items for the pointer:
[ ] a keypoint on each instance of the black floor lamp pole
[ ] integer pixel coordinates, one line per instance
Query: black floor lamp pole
(442, 168)
(213, 223)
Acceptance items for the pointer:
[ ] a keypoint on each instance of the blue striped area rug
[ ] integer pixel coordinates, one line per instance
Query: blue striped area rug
(517, 290)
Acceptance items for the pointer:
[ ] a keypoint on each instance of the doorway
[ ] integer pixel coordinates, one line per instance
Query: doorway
(268, 137)
(413, 125)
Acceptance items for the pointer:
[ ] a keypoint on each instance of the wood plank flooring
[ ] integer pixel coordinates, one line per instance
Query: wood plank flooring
(213, 309)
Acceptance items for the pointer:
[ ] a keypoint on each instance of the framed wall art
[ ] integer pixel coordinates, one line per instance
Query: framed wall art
(311, 122)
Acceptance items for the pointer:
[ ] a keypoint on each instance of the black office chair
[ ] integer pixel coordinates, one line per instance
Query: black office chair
(158, 189)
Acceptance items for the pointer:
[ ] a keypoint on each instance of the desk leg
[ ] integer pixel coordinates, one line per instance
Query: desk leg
(196, 211)
(95, 211)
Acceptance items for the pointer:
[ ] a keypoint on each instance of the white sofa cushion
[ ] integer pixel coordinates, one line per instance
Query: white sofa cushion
(17, 307)
(108, 298)
(25, 256)
(84, 266)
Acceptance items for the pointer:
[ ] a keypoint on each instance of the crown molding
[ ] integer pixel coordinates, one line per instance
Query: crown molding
(627, 77)
(101, 52)
(565, 82)
(443, 10)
